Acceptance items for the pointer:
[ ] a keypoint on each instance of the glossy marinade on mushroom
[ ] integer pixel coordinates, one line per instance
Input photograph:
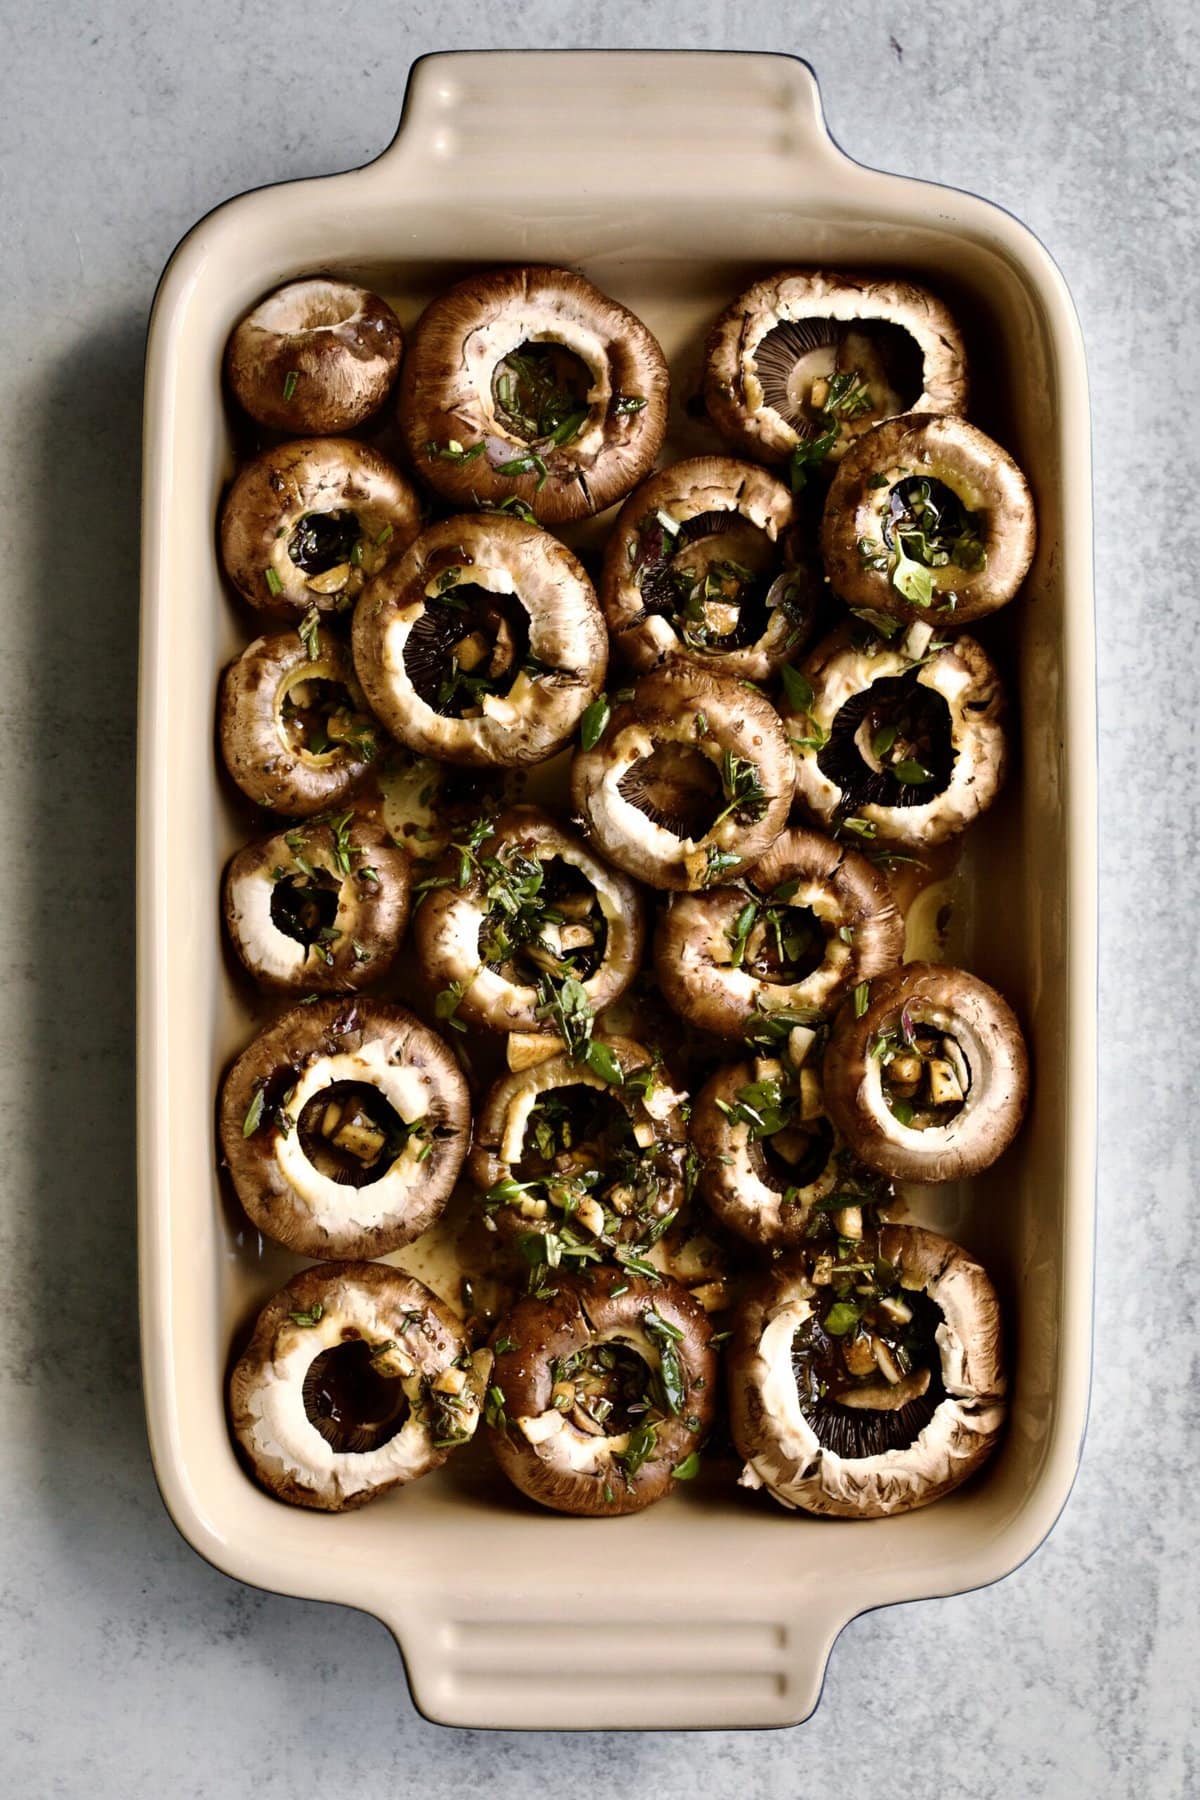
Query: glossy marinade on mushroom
(602, 1393)
(344, 1126)
(928, 517)
(529, 384)
(811, 920)
(868, 1381)
(320, 906)
(356, 1380)
(899, 739)
(690, 779)
(316, 356)
(304, 526)
(483, 644)
(928, 1077)
(708, 561)
(517, 909)
(579, 1153)
(805, 360)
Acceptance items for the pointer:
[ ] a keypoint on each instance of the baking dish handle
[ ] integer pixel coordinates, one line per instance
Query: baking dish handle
(479, 109)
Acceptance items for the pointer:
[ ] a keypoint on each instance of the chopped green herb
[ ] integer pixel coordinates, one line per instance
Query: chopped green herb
(309, 630)
(798, 688)
(274, 585)
(688, 1468)
(808, 456)
(289, 385)
(313, 1316)
(627, 403)
(911, 772)
(594, 723)
(862, 998)
(602, 1061)
(842, 1317)
(254, 1112)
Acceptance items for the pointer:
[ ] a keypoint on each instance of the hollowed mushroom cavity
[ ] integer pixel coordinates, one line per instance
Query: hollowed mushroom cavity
(356, 1380)
(813, 919)
(929, 518)
(689, 781)
(519, 909)
(704, 562)
(804, 362)
(602, 1393)
(306, 525)
(530, 385)
(929, 1081)
(870, 1382)
(296, 733)
(900, 740)
(321, 906)
(315, 356)
(561, 1152)
(344, 1126)
(484, 644)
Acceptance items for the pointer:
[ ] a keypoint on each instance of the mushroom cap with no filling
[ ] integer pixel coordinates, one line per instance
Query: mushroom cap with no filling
(781, 1449)
(315, 356)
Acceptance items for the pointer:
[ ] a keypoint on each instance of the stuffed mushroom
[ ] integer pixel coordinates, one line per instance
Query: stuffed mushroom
(928, 517)
(305, 525)
(602, 1392)
(901, 740)
(871, 1382)
(928, 1080)
(705, 562)
(577, 1153)
(690, 780)
(484, 644)
(804, 361)
(295, 730)
(316, 356)
(811, 920)
(517, 909)
(344, 1126)
(529, 385)
(356, 1380)
(321, 906)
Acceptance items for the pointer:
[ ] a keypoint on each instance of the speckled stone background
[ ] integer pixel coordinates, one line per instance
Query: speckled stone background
(127, 1667)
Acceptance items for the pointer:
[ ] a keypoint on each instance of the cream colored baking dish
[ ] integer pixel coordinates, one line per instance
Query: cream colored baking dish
(670, 179)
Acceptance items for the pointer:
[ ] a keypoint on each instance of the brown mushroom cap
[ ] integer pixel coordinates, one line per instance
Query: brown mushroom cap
(407, 620)
(982, 1025)
(265, 755)
(450, 920)
(707, 969)
(315, 356)
(368, 508)
(569, 1469)
(837, 772)
(263, 1119)
(783, 1452)
(799, 325)
(461, 441)
(860, 552)
(320, 907)
(672, 749)
(399, 1335)
(729, 515)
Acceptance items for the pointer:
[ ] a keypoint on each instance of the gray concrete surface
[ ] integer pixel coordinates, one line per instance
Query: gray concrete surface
(127, 1667)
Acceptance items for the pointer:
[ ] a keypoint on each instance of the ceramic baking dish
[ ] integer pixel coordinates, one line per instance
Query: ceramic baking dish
(670, 179)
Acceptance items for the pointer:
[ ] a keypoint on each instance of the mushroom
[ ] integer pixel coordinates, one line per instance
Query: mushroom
(705, 563)
(690, 779)
(344, 1126)
(315, 356)
(356, 1380)
(812, 920)
(901, 740)
(322, 906)
(804, 361)
(425, 805)
(530, 386)
(484, 644)
(875, 1392)
(294, 727)
(602, 1393)
(772, 1167)
(517, 910)
(306, 524)
(928, 518)
(929, 1080)
(582, 1151)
